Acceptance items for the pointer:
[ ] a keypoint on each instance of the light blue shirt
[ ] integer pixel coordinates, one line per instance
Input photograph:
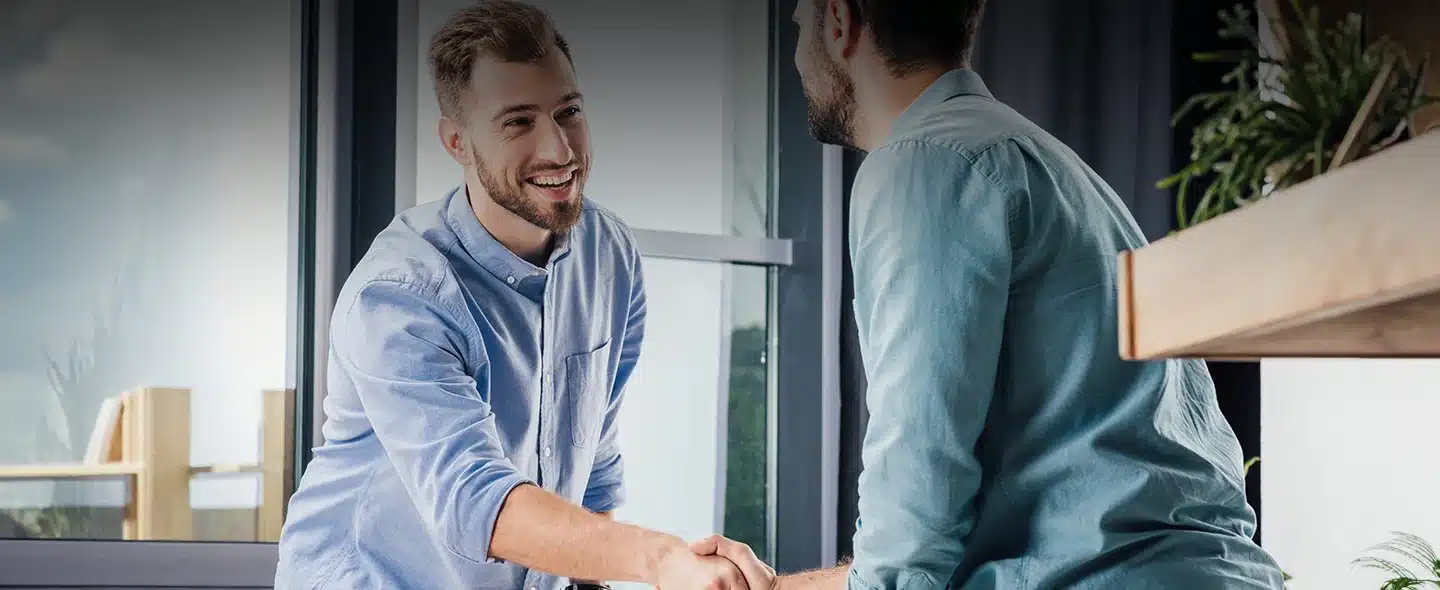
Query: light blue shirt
(458, 371)
(1008, 445)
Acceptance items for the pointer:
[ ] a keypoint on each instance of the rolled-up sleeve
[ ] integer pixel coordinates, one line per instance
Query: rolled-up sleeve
(606, 489)
(932, 256)
(401, 347)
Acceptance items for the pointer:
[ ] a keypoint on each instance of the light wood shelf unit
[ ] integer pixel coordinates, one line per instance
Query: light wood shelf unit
(1346, 264)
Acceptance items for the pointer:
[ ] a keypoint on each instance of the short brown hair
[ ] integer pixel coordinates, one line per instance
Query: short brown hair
(510, 31)
(915, 34)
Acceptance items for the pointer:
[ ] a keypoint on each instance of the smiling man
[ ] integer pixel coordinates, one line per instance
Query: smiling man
(479, 354)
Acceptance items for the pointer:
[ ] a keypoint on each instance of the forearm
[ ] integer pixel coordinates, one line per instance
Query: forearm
(607, 516)
(544, 532)
(826, 579)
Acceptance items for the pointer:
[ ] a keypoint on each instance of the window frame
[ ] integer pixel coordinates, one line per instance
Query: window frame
(354, 149)
(805, 420)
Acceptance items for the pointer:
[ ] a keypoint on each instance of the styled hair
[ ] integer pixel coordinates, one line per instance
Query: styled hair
(510, 31)
(915, 34)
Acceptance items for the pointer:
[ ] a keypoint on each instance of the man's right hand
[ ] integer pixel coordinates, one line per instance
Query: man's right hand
(682, 569)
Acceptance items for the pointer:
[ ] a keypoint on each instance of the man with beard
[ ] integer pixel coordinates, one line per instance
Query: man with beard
(1008, 445)
(479, 354)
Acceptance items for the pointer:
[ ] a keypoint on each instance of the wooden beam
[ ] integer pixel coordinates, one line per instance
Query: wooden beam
(1351, 146)
(1271, 11)
(162, 445)
(129, 451)
(56, 471)
(1346, 264)
(277, 463)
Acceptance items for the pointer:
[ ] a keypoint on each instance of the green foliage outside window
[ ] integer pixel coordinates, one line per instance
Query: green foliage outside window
(745, 470)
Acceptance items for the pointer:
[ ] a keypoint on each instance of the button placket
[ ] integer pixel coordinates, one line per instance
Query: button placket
(548, 395)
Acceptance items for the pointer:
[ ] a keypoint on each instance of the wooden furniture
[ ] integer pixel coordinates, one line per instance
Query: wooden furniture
(1346, 264)
(147, 442)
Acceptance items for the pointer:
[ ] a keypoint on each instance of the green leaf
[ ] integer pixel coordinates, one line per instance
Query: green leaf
(1244, 144)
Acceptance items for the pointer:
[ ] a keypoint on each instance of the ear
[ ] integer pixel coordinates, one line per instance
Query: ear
(840, 29)
(453, 138)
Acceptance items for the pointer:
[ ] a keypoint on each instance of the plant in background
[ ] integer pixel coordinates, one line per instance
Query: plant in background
(1405, 547)
(746, 464)
(91, 370)
(1289, 114)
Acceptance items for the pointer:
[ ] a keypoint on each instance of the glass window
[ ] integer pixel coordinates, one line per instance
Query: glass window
(747, 410)
(146, 168)
(678, 110)
(693, 427)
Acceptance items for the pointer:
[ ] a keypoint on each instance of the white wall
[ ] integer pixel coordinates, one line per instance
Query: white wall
(1349, 455)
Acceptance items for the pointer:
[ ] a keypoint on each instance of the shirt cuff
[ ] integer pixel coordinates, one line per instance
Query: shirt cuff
(604, 498)
(904, 580)
(492, 501)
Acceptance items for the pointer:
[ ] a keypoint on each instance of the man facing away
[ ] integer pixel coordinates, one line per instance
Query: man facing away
(479, 353)
(1008, 445)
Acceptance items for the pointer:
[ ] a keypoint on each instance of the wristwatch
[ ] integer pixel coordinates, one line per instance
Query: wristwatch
(587, 586)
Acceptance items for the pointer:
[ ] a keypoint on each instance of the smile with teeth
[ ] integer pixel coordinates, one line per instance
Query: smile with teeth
(553, 180)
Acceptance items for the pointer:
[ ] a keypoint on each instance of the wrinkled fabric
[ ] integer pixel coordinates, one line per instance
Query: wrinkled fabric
(457, 371)
(1008, 445)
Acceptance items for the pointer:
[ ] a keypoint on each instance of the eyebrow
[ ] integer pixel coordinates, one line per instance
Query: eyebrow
(521, 108)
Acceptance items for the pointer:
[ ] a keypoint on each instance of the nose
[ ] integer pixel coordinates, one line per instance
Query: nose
(553, 145)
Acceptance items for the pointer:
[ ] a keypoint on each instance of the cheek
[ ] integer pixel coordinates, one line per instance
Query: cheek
(506, 161)
(808, 63)
(578, 136)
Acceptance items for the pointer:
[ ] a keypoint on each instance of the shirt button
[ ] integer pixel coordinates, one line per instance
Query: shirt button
(510, 280)
(546, 451)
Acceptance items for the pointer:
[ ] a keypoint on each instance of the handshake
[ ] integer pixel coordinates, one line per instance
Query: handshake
(714, 563)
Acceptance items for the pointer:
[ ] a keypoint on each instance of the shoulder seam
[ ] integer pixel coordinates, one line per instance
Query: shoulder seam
(971, 158)
(607, 215)
(631, 246)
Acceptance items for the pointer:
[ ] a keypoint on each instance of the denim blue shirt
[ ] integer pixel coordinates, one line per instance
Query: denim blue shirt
(1008, 445)
(457, 370)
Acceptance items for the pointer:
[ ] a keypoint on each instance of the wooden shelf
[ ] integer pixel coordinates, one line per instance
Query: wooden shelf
(66, 471)
(1344, 265)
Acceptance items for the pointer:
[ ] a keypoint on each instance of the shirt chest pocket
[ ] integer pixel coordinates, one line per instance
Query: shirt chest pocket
(587, 393)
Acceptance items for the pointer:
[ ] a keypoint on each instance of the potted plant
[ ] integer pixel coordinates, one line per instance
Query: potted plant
(1319, 98)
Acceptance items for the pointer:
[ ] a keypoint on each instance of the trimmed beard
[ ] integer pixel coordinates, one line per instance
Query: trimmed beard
(560, 217)
(831, 101)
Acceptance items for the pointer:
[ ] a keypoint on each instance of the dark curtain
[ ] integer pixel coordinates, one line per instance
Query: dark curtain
(1103, 76)
(1096, 74)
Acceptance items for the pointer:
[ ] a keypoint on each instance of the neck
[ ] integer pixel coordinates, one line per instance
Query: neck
(526, 240)
(881, 97)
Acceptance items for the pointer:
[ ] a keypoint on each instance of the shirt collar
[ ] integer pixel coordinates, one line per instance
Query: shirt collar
(957, 82)
(488, 252)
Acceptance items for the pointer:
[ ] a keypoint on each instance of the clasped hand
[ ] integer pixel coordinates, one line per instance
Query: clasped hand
(715, 563)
